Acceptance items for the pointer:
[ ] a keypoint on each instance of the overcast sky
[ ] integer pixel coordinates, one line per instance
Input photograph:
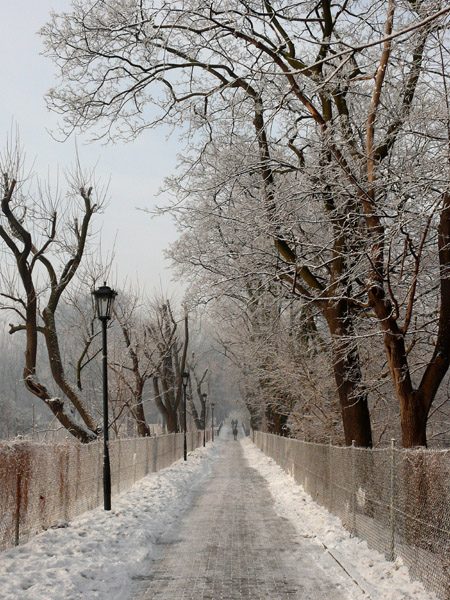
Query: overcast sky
(135, 170)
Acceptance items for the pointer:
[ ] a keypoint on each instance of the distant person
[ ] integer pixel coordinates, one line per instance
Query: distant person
(235, 432)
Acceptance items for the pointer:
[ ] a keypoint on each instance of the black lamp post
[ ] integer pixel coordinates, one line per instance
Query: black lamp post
(185, 382)
(104, 300)
(212, 420)
(204, 396)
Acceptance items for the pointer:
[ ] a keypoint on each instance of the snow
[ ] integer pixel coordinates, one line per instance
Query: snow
(98, 555)
(377, 577)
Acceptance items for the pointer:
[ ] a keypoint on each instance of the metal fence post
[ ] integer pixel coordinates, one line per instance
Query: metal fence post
(17, 515)
(330, 474)
(118, 464)
(67, 497)
(391, 505)
(135, 461)
(99, 470)
(353, 451)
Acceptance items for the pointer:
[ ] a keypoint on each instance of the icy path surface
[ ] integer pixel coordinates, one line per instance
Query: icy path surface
(232, 545)
(114, 555)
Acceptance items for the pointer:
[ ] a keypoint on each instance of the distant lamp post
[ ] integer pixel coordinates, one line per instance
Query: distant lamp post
(185, 382)
(212, 420)
(104, 300)
(204, 396)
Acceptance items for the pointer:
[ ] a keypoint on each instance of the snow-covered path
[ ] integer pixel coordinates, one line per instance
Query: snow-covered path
(231, 544)
(103, 556)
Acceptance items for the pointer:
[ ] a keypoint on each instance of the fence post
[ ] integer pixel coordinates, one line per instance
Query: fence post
(17, 515)
(67, 513)
(119, 447)
(391, 505)
(135, 461)
(330, 474)
(353, 451)
(99, 471)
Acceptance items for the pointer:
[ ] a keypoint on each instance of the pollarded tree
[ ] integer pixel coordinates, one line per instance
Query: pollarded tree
(44, 238)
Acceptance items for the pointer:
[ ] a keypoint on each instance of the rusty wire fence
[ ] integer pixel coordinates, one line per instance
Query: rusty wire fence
(42, 485)
(397, 500)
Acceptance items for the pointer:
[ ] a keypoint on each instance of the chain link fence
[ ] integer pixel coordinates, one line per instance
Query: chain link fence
(397, 500)
(45, 485)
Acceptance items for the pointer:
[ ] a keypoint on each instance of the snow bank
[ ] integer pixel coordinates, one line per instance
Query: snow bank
(368, 568)
(97, 555)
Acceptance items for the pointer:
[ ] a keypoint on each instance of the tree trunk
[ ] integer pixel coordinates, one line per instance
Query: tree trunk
(197, 420)
(56, 405)
(57, 369)
(276, 420)
(255, 412)
(142, 425)
(172, 423)
(347, 373)
(169, 413)
(413, 422)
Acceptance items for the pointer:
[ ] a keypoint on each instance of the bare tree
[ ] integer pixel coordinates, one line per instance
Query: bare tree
(199, 420)
(138, 364)
(170, 361)
(44, 240)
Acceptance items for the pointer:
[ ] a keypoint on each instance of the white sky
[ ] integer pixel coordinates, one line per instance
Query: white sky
(135, 170)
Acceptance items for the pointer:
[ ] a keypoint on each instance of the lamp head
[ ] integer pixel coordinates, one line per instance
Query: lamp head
(104, 300)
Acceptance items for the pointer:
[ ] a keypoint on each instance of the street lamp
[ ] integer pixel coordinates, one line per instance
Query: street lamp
(212, 420)
(104, 300)
(185, 382)
(204, 396)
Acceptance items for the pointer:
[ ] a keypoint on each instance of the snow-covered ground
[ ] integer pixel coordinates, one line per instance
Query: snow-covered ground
(98, 554)
(374, 575)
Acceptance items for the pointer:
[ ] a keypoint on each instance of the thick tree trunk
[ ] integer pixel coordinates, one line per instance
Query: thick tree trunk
(276, 419)
(169, 413)
(142, 426)
(413, 408)
(172, 422)
(346, 362)
(415, 404)
(413, 422)
(347, 373)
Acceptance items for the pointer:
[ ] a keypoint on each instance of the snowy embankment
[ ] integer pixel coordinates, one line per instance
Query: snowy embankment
(378, 578)
(99, 553)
